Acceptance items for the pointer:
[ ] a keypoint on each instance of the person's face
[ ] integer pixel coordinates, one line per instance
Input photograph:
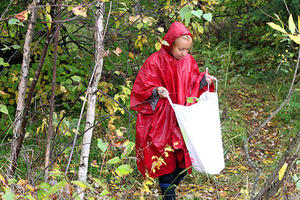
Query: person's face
(181, 48)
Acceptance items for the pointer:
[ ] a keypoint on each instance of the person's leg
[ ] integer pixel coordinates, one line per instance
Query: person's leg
(168, 182)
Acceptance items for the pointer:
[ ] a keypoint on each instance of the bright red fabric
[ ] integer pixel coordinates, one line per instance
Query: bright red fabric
(158, 129)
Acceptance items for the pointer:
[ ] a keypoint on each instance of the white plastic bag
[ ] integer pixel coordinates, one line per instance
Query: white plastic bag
(201, 130)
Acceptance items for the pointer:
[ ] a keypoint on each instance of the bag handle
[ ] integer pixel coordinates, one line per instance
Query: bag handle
(215, 87)
(171, 103)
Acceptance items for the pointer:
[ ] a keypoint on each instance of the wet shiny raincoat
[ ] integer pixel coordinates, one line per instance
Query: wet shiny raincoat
(159, 142)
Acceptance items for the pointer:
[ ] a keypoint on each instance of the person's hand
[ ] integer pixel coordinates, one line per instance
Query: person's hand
(209, 78)
(162, 92)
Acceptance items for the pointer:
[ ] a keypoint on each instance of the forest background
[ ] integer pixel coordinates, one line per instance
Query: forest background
(66, 72)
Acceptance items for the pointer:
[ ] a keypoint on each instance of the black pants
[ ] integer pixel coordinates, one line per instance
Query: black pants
(168, 182)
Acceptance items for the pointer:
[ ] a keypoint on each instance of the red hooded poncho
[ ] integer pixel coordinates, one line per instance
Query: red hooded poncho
(159, 142)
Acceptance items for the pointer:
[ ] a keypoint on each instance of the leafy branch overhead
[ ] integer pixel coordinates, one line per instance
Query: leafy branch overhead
(294, 30)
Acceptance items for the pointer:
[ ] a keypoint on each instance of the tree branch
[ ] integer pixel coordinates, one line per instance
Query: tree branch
(252, 164)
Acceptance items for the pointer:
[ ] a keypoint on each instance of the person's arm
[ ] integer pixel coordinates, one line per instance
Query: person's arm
(154, 99)
(158, 92)
(203, 83)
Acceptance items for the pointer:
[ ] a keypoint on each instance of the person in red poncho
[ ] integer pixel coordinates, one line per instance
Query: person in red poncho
(160, 147)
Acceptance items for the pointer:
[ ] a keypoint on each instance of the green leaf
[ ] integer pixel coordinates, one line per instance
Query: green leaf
(44, 185)
(68, 81)
(113, 160)
(29, 197)
(124, 170)
(192, 99)
(183, 11)
(9, 195)
(187, 18)
(3, 109)
(102, 145)
(292, 25)
(139, 25)
(80, 184)
(157, 46)
(103, 193)
(207, 16)
(296, 180)
(49, 21)
(128, 149)
(5, 64)
(99, 182)
(5, 48)
(16, 46)
(13, 21)
(58, 186)
(41, 194)
(197, 13)
(164, 42)
(76, 78)
(276, 27)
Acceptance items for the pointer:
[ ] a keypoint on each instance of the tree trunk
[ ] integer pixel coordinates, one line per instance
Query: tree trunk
(22, 84)
(91, 90)
(52, 98)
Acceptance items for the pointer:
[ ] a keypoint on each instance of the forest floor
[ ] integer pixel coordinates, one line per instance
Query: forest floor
(248, 103)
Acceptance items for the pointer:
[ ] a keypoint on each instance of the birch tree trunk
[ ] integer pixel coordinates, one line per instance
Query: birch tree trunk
(92, 96)
(52, 98)
(23, 83)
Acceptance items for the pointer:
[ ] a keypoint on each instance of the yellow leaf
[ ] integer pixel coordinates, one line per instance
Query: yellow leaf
(117, 72)
(49, 21)
(131, 55)
(149, 182)
(299, 24)
(157, 46)
(79, 10)
(279, 19)
(82, 98)
(276, 27)
(62, 88)
(168, 148)
(22, 182)
(94, 164)
(48, 8)
(160, 29)
(292, 25)
(3, 180)
(245, 192)
(29, 187)
(282, 171)
(119, 133)
(167, 6)
(295, 38)
(146, 188)
(79, 183)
